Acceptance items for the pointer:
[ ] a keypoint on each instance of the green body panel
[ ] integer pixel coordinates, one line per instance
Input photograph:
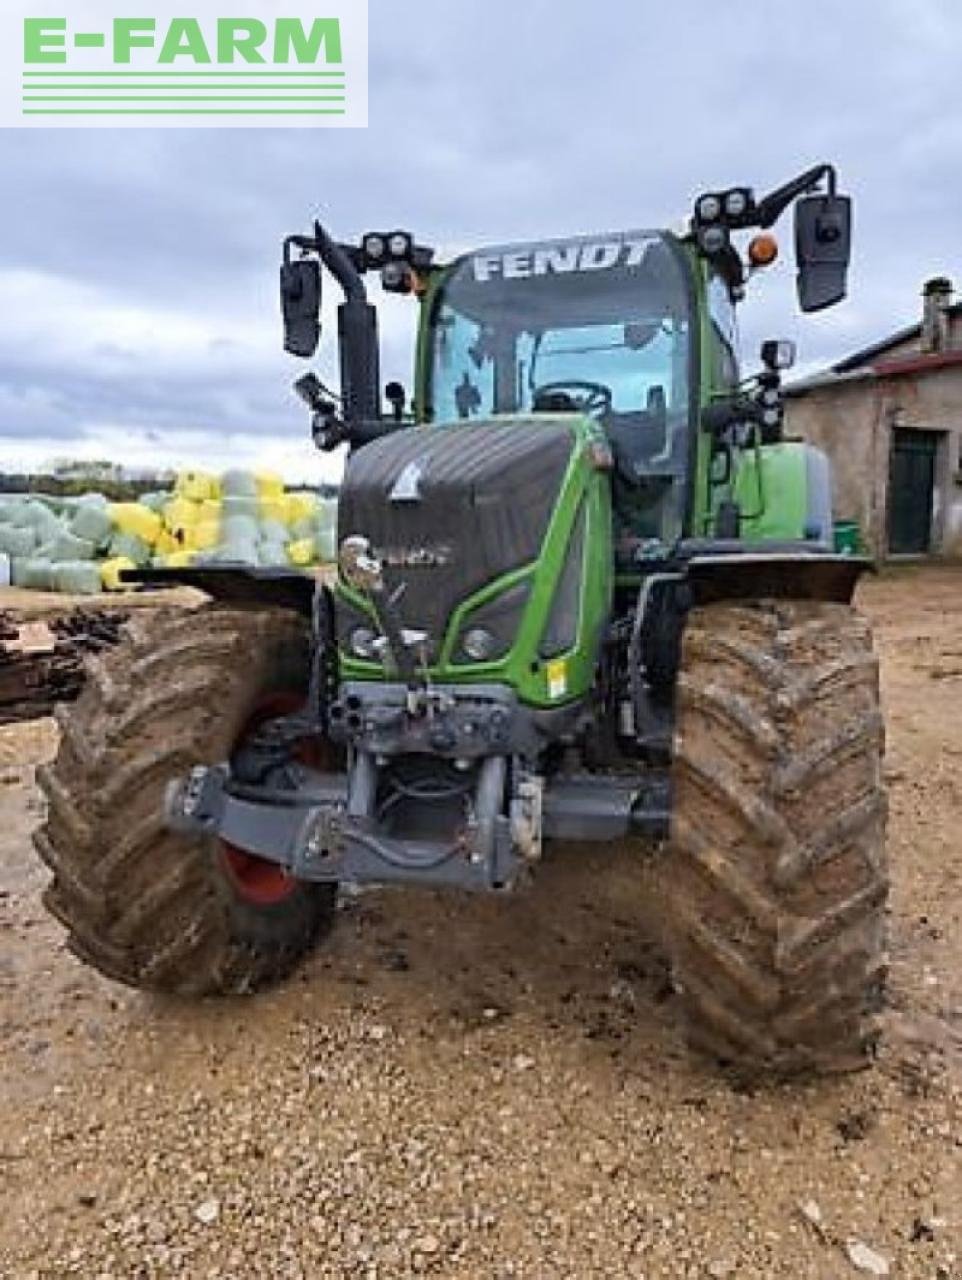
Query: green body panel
(771, 487)
(538, 682)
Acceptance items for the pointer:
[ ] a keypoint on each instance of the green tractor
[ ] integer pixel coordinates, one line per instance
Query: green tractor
(586, 591)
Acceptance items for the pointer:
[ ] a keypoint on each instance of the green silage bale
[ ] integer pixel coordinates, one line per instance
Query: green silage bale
(17, 541)
(239, 505)
(239, 484)
(77, 578)
(325, 542)
(272, 555)
(32, 573)
(130, 547)
(155, 501)
(91, 521)
(67, 548)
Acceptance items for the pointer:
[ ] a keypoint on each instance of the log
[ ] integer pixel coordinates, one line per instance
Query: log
(43, 664)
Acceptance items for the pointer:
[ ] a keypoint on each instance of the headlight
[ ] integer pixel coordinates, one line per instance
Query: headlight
(399, 244)
(362, 642)
(735, 204)
(373, 248)
(713, 239)
(479, 644)
(708, 209)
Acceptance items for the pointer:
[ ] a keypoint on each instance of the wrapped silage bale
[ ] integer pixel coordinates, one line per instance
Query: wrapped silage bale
(127, 546)
(240, 505)
(17, 541)
(110, 571)
(36, 515)
(67, 548)
(238, 484)
(91, 521)
(77, 578)
(154, 501)
(135, 518)
(196, 486)
(301, 552)
(33, 574)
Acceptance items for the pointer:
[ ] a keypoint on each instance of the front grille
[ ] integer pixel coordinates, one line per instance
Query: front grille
(485, 494)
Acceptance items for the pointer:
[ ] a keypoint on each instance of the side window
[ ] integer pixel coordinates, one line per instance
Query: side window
(724, 328)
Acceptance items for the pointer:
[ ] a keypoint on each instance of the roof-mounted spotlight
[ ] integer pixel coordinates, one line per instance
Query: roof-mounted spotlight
(400, 244)
(374, 249)
(396, 277)
(713, 239)
(737, 203)
(708, 208)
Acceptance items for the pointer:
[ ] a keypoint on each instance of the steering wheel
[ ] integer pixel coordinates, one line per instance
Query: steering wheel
(594, 398)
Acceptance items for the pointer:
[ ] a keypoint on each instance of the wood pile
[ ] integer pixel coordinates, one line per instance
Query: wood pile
(41, 663)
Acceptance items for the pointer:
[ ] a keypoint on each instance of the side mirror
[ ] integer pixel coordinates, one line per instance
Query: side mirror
(301, 306)
(778, 354)
(823, 245)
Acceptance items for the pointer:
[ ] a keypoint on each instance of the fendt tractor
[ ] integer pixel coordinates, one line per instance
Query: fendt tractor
(586, 591)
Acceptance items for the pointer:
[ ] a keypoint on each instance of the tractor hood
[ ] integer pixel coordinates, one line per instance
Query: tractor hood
(449, 509)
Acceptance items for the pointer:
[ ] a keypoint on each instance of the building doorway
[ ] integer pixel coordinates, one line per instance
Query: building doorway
(911, 496)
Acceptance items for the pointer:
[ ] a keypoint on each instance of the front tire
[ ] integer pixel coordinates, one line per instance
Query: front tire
(776, 881)
(144, 905)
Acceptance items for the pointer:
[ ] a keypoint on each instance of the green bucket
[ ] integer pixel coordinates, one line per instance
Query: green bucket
(848, 539)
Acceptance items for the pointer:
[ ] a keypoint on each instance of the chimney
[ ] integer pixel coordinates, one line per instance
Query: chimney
(936, 299)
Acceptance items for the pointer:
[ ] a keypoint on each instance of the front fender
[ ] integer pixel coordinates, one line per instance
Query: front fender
(785, 575)
(238, 584)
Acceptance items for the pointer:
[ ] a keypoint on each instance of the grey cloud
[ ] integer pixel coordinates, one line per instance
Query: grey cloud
(494, 121)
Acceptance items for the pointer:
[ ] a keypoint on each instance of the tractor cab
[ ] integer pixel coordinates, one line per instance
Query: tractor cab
(593, 325)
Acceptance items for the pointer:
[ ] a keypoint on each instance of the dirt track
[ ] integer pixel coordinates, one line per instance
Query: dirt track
(491, 1088)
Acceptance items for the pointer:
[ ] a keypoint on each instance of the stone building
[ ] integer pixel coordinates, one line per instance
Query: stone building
(890, 419)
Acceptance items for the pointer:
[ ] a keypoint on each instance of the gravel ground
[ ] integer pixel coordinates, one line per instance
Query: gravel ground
(479, 1088)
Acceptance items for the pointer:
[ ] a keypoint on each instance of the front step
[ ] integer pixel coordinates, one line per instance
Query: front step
(606, 806)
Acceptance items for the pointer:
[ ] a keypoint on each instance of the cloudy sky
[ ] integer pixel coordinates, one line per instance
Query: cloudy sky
(138, 311)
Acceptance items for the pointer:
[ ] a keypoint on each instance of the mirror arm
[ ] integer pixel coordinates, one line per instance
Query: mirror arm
(771, 207)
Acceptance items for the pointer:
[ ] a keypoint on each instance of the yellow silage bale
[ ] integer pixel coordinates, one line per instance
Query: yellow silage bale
(269, 484)
(166, 543)
(110, 571)
(272, 508)
(181, 514)
(205, 535)
(195, 486)
(300, 506)
(179, 559)
(136, 519)
(301, 552)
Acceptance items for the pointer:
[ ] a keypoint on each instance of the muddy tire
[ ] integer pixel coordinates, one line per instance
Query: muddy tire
(143, 905)
(775, 882)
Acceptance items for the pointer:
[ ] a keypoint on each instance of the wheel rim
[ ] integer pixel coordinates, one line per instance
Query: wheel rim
(253, 879)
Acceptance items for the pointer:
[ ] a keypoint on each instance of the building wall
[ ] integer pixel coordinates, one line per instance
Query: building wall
(853, 421)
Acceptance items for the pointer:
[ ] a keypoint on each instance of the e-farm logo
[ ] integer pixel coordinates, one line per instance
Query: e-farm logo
(234, 63)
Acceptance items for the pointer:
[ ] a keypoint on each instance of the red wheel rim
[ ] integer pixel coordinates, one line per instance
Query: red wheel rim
(255, 880)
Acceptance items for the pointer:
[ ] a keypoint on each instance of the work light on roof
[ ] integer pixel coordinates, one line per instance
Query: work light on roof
(374, 248)
(708, 208)
(399, 244)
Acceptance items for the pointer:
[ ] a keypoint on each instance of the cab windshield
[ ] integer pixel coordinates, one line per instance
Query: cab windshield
(590, 325)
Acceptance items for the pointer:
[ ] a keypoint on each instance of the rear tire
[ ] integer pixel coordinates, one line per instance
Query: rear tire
(142, 904)
(776, 882)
